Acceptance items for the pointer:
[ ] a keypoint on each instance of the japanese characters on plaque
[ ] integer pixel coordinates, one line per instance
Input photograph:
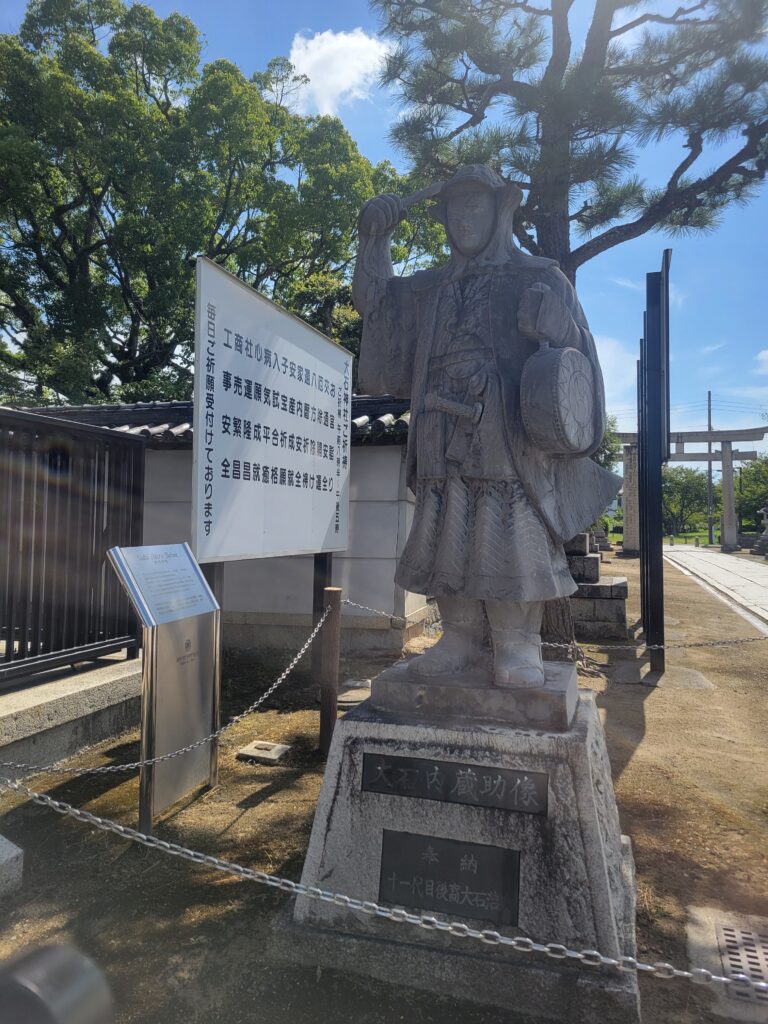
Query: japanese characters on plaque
(462, 879)
(272, 427)
(453, 782)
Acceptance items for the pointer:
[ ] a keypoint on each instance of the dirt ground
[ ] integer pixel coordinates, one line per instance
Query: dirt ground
(181, 943)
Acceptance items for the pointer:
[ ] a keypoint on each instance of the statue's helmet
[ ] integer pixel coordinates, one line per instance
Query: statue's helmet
(477, 176)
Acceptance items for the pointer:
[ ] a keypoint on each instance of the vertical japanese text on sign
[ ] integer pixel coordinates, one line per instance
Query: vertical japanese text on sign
(272, 425)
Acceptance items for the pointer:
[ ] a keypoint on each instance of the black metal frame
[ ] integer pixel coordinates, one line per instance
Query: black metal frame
(653, 452)
(70, 492)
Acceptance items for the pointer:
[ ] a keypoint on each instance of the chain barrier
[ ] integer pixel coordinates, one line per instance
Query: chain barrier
(601, 647)
(134, 765)
(521, 944)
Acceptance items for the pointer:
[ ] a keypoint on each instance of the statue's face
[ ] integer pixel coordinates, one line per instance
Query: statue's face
(470, 218)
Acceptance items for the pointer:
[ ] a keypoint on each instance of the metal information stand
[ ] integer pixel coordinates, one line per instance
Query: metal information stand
(181, 675)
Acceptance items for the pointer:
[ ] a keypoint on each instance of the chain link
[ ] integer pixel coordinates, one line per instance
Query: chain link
(134, 765)
(376, 611)
(600, 647)
(490, 937)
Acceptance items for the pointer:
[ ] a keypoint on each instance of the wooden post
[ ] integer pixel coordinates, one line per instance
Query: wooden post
(330, 650)
(214, 574)
(322, 578)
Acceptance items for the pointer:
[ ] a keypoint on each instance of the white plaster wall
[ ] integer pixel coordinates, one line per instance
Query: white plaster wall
(381, 512)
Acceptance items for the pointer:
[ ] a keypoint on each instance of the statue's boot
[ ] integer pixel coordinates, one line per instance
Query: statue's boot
(516, 633)
(461, 645)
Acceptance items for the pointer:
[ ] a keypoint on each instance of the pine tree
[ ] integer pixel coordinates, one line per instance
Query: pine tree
(503, 82)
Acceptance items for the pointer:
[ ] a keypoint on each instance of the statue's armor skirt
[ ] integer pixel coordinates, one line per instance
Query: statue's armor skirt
(475, 532)
(481, 539)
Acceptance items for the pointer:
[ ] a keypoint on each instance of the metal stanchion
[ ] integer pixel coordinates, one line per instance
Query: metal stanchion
(330, 650)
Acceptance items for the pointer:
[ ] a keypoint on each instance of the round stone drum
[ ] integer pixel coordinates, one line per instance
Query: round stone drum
(557, 400)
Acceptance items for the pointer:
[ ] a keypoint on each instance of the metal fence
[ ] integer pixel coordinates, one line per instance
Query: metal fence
(68, 492)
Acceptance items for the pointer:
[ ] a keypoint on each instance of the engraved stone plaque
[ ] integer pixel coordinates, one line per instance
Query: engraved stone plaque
(456, 878)
(453, 782)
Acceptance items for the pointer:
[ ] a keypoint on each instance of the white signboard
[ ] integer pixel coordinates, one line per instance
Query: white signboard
(272, 427)
(168, 582)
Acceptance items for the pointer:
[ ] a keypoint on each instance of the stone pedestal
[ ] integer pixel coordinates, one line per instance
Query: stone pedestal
(549, 707)
(761, 545)
(630, 547)
(505, 828)
(599, 606)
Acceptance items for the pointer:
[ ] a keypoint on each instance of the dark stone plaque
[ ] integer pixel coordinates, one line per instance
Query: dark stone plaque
(456, 878)
(456, 783)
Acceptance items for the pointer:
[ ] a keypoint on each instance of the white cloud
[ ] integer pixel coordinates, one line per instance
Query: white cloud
(709, 349)
(625, 282)
(676, 296)
(341, 66)
(762, 362)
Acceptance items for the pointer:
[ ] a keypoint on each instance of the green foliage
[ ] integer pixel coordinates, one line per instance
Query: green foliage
(507, 83)
(752, 492)
(121, 161)
(684, 498)
(608, 454)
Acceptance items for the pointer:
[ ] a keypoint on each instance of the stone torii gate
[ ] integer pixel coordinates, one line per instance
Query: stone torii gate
(727, 455)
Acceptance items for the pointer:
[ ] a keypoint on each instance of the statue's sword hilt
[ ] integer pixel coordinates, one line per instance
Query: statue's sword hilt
(437, 403)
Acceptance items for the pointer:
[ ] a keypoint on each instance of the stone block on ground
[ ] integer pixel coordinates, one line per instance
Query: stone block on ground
(584, 568)
(353, 692)
(504, 828)
(596, 632)
(578, 545)
(263, 752)
(11, 867)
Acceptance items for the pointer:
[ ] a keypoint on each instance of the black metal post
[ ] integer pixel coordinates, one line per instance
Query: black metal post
(653, 451)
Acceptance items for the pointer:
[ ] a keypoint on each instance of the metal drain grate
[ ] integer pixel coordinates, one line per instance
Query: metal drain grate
(744, 952)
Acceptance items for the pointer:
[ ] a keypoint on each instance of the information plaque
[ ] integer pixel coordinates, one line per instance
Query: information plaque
(460, 879)
(272, 422)
(181, 673)
(455, 782)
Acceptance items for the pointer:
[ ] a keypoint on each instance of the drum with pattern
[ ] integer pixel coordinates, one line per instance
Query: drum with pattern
(557, 400)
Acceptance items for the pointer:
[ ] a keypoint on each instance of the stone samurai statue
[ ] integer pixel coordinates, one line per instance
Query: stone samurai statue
(507, 403)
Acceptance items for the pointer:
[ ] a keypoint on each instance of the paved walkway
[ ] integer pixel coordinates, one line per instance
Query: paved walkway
(744, 581)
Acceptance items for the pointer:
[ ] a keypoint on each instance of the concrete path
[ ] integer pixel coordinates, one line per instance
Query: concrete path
(742, 580)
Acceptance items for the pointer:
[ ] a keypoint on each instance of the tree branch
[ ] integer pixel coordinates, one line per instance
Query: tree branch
(676, 198)
(696, 144)
(561, 43)
(660, 19)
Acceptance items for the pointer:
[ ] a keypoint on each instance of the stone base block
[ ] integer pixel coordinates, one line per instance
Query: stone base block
(549, 707)
(596, 632)
(11, 867)
(511, 829)
(527, 986)
(614, 588)
(584, 568)
(578, 545)
(263, 752)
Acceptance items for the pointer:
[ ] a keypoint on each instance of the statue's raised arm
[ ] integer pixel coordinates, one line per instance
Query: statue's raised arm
(376, 224)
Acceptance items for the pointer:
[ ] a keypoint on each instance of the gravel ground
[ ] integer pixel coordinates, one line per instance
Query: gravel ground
(181, 943)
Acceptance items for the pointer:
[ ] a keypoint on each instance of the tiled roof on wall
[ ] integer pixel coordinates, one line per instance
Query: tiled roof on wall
(376, 419)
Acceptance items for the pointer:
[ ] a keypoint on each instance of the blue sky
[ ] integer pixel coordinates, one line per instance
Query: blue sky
(719, 325)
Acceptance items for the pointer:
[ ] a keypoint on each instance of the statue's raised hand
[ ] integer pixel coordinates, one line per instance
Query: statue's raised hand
(542, 315)
(380, 216)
